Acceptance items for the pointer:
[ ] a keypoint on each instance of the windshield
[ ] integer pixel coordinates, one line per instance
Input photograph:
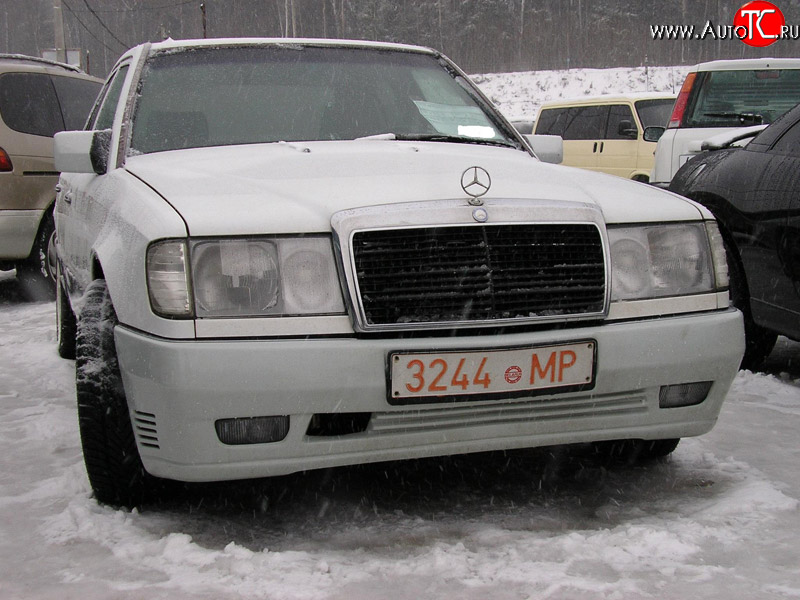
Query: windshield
(736, 98)
(223, 96)
(655, 113)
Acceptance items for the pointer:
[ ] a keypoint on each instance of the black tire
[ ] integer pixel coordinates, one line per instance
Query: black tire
(112, 460)
(630, 452)
(66, 324)
(37, 273)
(759, 342)
(654, 449)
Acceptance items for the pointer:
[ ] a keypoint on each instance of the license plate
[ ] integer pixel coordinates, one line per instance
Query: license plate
(485, 372)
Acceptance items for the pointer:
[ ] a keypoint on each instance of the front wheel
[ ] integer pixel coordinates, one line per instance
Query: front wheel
(112, 459)
(629, 452)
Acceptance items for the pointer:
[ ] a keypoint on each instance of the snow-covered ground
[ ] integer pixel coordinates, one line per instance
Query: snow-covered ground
(719, 519)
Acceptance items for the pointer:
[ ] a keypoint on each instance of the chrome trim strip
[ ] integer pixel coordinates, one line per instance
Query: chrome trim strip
(636, 309)
(273, 327)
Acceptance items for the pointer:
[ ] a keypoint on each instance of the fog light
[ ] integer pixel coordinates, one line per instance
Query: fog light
(684, 394)
(253, 430)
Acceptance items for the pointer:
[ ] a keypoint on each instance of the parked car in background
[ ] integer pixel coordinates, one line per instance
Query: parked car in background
(754, 192)
(277, 257)
(37, 99)
(722, 95)
(606, 133)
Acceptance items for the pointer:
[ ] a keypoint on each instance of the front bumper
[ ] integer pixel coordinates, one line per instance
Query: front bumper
(181, 388)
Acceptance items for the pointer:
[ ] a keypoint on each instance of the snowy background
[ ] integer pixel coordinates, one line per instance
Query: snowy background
(519, 95)
(718, 519)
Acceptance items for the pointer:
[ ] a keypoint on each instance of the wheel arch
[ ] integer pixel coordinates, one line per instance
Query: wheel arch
(716, 204)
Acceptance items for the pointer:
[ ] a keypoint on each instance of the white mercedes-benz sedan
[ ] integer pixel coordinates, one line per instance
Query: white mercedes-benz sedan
(282, 255)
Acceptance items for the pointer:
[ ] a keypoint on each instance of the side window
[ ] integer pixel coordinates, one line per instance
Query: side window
(789, 142)
(76, 97)
(28, 104)
(551, 121)
(105, 116)
(618, 114)
(586, 123)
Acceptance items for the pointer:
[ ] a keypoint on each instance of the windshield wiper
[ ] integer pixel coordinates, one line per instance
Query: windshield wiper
(753, 118)
(437, 137)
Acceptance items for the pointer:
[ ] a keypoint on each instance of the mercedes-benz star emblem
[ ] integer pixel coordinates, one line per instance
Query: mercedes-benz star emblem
(480, 214)
(475, 181)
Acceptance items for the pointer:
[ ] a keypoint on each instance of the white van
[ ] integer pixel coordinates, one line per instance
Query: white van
(721, 96)
(606, 133)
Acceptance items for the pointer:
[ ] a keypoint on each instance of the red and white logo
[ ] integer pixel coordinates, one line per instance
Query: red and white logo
(513, 374)
(759, 23)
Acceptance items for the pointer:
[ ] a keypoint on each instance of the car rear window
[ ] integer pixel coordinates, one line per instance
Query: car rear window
(40, 104)
(28, 104)
(76, 97)
(736, 98)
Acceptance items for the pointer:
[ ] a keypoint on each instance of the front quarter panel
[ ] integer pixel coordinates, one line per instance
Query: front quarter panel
(120, 216)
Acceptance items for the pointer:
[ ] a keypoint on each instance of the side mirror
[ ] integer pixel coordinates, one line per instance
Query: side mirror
(82, 151)
(99, 151)
(627, 129)
(548, 148)
(653, 133)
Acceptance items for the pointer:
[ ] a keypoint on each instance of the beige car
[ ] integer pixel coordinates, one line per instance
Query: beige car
(37, 99)
(606, 133)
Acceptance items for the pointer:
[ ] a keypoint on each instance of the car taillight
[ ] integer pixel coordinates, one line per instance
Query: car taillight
(5, 161)
(680, 104)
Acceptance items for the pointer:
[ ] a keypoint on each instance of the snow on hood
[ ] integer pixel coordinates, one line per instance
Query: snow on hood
(296, 187)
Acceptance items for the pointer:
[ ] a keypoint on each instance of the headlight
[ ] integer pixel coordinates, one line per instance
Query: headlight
(655, 261)
(244, 277)
(265, 277)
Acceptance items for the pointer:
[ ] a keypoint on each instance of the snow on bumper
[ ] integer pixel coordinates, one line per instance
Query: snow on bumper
(184, 387)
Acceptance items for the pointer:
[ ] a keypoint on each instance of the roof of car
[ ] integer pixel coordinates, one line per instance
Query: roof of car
(745, 64)
(169, 44)
(605, 98)
(36, 61)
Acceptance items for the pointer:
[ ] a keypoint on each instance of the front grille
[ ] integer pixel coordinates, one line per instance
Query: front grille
(479, 273)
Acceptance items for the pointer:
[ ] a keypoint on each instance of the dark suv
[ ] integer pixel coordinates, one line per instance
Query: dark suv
(37, 99)
(754, 192)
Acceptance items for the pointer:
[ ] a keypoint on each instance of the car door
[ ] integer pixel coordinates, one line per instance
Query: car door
(583, 136)
(75, 204)
(785, 172)
(618, 152)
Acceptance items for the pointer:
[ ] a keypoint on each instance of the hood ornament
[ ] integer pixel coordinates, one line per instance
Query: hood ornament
(475, 181)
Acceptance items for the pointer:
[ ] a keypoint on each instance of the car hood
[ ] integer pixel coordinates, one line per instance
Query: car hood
(296, 187)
